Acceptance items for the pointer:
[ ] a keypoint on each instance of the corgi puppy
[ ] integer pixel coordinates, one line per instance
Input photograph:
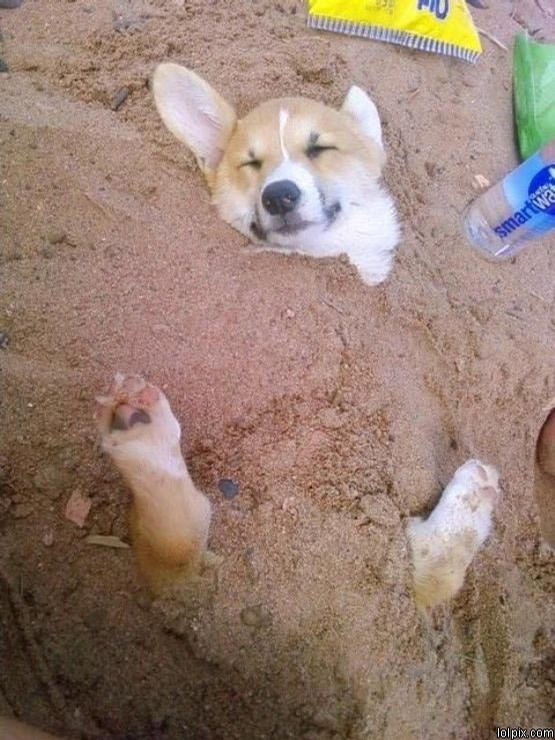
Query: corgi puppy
(293, 175)
(169, 518)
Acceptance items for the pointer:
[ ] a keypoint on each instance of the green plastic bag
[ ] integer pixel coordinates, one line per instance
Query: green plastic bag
(534, 93)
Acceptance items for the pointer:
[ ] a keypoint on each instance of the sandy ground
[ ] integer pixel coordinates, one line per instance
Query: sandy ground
(338, 409)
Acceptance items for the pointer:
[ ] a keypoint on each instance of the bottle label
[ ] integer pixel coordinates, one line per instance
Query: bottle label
(530, 191)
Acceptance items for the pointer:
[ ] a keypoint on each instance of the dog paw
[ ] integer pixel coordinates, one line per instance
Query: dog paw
(469, 499)
(135, 415)
(168, 517)
(444, 544)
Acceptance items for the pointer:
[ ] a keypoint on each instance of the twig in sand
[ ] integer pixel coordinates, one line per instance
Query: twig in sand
(40, 667)
(492, 38)
(332, 305)
(95, 202)
(38, 663)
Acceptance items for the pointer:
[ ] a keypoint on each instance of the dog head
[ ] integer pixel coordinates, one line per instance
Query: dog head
(293, 173)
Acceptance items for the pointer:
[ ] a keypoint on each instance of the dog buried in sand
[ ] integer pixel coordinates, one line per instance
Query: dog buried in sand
(169, 517)
(298, 177)
(301, 177)
(293, 175)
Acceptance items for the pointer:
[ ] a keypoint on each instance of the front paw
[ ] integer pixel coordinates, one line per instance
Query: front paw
(135, 411)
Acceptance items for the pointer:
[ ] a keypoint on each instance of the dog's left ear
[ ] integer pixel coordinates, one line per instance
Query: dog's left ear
(358, 105)
(195, 113)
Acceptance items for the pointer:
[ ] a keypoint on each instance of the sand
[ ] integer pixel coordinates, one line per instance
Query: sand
(338, 409)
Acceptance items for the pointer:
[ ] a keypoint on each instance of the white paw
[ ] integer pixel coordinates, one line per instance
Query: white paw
(444, 545)
(468, 500)
(135, 420)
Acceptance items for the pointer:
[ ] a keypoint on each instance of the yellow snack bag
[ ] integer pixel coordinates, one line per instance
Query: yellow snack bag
(442, 26)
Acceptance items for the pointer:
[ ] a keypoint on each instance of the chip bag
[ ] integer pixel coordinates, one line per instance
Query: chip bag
(534, 93)
(442, 26)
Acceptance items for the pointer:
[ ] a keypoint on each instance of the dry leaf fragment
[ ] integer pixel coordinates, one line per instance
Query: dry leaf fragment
(78, 507)
(106, 540)
(480, 182)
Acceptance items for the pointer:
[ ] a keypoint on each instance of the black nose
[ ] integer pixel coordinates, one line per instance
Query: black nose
(280, 197)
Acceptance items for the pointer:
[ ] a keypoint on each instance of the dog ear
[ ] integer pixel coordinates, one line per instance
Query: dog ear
(195, 113)
(358, 105)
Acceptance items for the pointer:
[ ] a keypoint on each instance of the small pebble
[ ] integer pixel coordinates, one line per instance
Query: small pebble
(48, 538)
(22, 511)
(51, 480)
(255, 616)
(119, 98)
(228, 487)
(4, 66)
(4, 339)
(380, 510)
(55, 236)
(325, 720)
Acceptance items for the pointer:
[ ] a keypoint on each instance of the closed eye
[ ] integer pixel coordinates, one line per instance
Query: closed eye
(256, 164)
(314, 150)
(252, 161)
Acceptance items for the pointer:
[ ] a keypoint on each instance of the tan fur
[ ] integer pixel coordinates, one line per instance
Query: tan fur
(258, 134)
(169, 517)
(169, 535)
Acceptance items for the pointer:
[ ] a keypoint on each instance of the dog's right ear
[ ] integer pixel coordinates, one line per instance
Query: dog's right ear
(195, 113)
(359, 106)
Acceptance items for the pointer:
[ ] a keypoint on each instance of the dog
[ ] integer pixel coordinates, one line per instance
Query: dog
(169, 517)
(293, 175)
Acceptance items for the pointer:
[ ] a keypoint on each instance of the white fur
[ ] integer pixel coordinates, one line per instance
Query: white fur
(367, 232)
(444, 544)
(358, 105)
(283, 118)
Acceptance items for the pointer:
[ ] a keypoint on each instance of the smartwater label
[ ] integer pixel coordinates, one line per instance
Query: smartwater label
(530, 191)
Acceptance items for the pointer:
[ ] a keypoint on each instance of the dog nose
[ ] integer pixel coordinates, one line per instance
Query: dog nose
(280, 197)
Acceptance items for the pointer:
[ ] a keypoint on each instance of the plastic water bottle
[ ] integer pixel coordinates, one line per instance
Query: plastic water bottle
(517, 210)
